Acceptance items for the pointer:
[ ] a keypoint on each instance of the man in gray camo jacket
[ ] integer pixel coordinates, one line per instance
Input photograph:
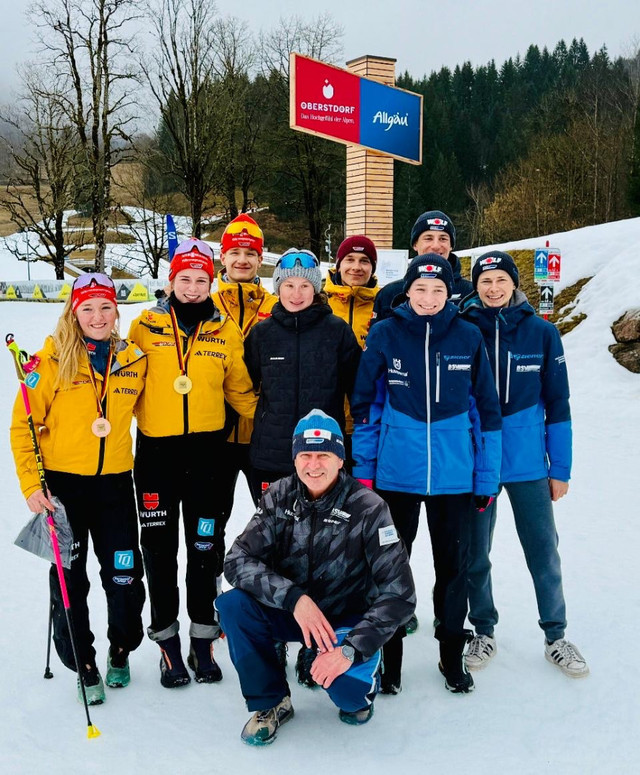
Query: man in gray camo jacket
(319, 563)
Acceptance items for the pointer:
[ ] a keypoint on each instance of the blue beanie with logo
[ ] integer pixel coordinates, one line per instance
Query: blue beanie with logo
(432, 267)
(433, 220)
(495, 259)
(317, 432)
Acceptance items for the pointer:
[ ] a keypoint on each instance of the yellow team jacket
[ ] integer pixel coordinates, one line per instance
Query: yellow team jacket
(215, 366)
(63, 416)
(353, 304)
(247, 304)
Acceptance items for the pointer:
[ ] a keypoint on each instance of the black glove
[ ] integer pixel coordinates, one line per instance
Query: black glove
(482, 502)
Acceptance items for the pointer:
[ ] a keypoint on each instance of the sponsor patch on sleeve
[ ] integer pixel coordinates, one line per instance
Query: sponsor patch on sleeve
(388, 535)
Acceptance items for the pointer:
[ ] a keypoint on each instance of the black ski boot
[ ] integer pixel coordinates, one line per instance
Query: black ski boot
(281, 653)
(201, 661)
(173, 673)
(305, 660)
(390, 680)
(457, 678)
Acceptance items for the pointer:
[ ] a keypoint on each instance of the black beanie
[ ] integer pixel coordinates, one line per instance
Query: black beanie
(495, 259)
(433, 220)
(431, 266)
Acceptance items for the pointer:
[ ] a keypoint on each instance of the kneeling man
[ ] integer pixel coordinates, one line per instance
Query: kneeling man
(319, 563)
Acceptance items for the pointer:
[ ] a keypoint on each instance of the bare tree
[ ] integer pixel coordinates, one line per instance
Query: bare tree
(89, 50)
(145, 221)
(314, 167)
(181, 72)
(44, 162)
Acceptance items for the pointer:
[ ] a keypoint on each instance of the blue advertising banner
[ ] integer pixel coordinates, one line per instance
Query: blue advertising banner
(390, 120)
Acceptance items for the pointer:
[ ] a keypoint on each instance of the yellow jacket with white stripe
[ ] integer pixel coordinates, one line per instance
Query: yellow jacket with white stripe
(247, 304)
(62, 416)
(215, 366)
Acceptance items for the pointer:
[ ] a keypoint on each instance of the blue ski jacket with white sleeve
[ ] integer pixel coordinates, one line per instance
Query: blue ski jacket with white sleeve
(530, 376)
(426, 414)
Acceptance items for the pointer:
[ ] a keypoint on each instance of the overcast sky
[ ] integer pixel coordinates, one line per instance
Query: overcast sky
(422, 35)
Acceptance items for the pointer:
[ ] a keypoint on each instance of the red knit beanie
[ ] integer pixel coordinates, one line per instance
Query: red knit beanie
(357, 244)
(242, 232)
(192, 254)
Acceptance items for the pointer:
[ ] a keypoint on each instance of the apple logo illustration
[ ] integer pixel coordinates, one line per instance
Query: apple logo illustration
(327, 90)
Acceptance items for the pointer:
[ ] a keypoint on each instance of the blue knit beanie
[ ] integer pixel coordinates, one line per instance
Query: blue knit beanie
(317, 432)
(431, 266)
(433, 220)
(495, 259)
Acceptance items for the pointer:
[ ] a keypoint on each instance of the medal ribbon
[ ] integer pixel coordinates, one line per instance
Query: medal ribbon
(183, 357)
(105, 382)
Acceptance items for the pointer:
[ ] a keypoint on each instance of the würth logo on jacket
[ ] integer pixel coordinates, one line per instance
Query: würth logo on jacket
(151, 500)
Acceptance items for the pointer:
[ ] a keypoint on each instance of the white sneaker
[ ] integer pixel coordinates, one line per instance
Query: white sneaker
(262, 727)
(480, 651)
(566, 656)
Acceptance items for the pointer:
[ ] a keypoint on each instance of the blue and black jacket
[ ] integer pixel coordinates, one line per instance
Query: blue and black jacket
(530, 376)
(426, 414)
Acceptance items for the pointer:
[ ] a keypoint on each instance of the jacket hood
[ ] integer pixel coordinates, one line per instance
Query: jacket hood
(417, 324)
(474, 311)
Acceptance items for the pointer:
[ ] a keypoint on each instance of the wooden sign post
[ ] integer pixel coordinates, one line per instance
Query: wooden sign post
(370, 174)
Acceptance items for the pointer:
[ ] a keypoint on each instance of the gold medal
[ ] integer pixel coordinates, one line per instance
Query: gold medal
(182, 384)
(101, 427)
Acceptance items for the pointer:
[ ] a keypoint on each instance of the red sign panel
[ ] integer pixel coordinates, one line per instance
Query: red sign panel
(326, 100)
(553, 265)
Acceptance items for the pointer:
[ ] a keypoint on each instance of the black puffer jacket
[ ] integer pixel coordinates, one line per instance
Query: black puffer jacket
(299, 361)
(342, 550)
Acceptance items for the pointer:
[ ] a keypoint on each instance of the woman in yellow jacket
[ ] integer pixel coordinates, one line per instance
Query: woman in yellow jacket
(82, 398)
(195, 363)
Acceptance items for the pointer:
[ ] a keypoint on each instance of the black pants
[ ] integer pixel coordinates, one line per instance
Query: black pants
(103, 507)
(448, 519)
(233, 459)
(169, 472)
(259, 480)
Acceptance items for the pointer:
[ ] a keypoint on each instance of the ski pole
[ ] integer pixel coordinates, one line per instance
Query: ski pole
(25, 365)
(47, 669)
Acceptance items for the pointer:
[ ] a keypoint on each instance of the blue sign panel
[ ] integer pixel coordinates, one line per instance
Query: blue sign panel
(390, 120)
(540, 264)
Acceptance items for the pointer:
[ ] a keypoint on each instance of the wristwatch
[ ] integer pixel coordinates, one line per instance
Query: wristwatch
(348, 652)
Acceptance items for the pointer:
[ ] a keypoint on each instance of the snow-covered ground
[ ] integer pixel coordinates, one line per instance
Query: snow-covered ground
(524, 716)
